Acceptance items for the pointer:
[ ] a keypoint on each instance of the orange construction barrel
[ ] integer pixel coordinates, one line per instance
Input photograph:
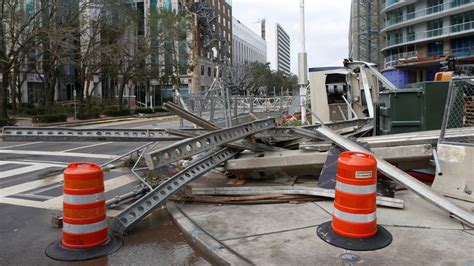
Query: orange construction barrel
(85, 233)
(354, 224)
(84, 218)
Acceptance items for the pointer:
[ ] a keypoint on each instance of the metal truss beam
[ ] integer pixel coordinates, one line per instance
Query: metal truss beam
(80, 134)
(158, 196)
(190, 147)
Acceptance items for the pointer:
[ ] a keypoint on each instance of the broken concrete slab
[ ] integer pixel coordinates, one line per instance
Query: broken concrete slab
(304, 162)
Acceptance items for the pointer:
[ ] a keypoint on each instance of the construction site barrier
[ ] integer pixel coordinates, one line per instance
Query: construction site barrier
(356, 195)
(84, 218)
(354, 222)
(85, 232)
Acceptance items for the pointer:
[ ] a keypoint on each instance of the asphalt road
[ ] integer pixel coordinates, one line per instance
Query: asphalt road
(31, 190)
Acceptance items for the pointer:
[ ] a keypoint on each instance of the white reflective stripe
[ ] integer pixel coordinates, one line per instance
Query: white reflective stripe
(355, 218)
(360, 190)
(83, 199)
(84, 228)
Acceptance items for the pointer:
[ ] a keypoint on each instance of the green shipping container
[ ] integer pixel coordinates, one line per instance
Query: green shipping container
(418, 107)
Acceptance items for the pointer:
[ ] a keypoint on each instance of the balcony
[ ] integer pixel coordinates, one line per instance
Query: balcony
(430, 35)
(426, 12)
(394, 4)
(391, 2)
(396, 59)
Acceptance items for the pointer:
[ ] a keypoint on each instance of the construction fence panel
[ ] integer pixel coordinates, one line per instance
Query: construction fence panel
(459, 112)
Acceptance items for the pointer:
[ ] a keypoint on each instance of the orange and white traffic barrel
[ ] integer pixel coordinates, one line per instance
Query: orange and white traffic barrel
(85, 233)
(354, 223)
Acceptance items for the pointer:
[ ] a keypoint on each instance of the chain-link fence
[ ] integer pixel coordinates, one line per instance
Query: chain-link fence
(459, 113)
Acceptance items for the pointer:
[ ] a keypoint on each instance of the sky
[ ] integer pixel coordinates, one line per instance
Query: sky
(327, 26)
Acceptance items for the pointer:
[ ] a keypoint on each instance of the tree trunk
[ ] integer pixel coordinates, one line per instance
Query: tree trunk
(3, 95)
(120, 94)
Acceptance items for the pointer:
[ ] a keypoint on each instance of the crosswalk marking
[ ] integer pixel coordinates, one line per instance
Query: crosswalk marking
(23, 170)
(85, 147)
(49, 164)
(20, 145)
(110, 184)
(60, 154)
(5, 192)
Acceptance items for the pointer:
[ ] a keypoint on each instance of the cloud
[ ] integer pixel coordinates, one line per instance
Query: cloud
(327, 26)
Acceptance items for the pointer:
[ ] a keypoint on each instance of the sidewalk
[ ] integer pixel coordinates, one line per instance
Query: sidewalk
(285, 234)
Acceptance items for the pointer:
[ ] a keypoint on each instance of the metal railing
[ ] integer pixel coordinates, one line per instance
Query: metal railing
(214, 105)
(425, 12)
(459, 111)
(439, 32)
(412, 56)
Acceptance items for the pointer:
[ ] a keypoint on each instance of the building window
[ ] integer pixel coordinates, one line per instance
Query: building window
(411, 11)
(209, 71)
(463, 46)
(435, 28)
(394, 37)
(435, 49)
(395, 16)
(462, 22)
(434, 6)
(456, 3)
(410, 33)
(202, 70)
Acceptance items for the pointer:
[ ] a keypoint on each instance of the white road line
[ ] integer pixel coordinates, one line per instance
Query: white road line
(23, 170)
(48, 164)
(85, 147)
(21, 145)
(22, 202)
(111, 184)
(57, 202)
(4, 192)
(59, 154)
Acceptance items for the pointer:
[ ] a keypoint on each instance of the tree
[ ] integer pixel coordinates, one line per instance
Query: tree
(172, 33)
(259, 80)
(18, 31)
(130, 62)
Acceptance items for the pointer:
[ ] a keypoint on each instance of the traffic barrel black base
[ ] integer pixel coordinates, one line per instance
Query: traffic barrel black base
(380, 240)
(57, 251)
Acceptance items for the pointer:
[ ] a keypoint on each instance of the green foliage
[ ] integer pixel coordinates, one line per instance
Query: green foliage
(144, 111)
(86, 116)
(7, 122)
(54, 118)
(258, 79)
(116, 112)
(33, 111)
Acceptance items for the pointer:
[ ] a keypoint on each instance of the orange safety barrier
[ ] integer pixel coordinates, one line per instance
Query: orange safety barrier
(85, 233)
(84, 217)
(354, 221)
(356, 194)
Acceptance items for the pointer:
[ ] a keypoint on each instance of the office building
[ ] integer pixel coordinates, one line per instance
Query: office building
(278, 48)
(248, 47)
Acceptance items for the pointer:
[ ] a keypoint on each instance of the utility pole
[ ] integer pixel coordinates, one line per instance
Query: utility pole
(302, 65)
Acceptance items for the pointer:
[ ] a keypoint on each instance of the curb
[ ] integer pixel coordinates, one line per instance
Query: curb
(210, 246)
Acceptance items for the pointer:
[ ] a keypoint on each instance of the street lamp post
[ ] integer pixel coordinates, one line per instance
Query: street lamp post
(302, 65)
